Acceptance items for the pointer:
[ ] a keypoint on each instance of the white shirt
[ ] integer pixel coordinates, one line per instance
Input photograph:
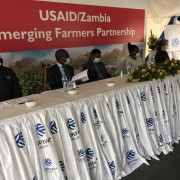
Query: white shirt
(61, 69)
(129, 61)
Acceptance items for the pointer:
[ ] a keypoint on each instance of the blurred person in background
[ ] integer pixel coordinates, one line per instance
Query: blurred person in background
(96, 68)
(133, 60)
(9, 84)
(162, 55)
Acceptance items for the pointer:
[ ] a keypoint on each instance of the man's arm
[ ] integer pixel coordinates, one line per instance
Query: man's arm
(50, 79)
(17, 92)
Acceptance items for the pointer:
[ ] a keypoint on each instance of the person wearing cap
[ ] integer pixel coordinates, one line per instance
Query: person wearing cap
(133, 60)
(9, 84)
(96, 68)
(60, 71)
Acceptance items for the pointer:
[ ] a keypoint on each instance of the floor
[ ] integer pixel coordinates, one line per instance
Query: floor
(168, 168)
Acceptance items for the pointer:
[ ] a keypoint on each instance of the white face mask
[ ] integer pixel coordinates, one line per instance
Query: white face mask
(138, 54)
(68, 60)
(97, 60)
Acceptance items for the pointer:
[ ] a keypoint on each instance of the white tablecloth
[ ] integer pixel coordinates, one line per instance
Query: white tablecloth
(100, 137)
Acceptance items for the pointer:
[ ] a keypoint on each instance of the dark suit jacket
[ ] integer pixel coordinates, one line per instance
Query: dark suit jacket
(9, 84)
(92, 71)
(54, 76)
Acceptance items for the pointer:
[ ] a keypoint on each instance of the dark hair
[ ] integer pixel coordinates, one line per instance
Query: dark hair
(132, 48)
(161, 43)
(95, 51)
(60, 53)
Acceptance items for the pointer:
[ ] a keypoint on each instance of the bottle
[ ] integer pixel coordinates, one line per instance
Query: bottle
(64, 81)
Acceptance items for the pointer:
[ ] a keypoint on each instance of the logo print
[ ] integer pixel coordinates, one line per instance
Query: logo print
(125, 131)
(48, 162)
(89, 154)
(81, 152)
(35, 178)
(159, 91)
(40, 129)
(156, 114)
(143, 96)
(164, 113)
(175, 42)
(53, 127)
(128, 99)
(62, 165)
(117, 105)
(71, 124)
(20, 140)
(161, 140)
(83, 117)
(130, 155)
(165, 87)
(95, 114)
(149, 122)
(112, 166)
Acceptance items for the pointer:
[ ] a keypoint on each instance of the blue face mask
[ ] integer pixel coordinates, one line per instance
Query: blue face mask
(97, 60)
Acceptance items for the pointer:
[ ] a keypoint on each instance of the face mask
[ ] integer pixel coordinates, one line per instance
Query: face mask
(137, 54)
(97, 60)
(68, 60)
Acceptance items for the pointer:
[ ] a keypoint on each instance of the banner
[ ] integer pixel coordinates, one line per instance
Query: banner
(37, 25)
(172, 34)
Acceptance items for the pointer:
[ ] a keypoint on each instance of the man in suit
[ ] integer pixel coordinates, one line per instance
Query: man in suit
(96, 68)
(9, 84)
(60, 71)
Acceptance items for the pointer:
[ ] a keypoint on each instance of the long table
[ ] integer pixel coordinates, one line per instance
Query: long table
(101, 133)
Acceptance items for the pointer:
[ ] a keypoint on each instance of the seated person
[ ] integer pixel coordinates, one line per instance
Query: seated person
(96, 68)
(162, 55)
(133, 60)
(9, 84)
(61, 70)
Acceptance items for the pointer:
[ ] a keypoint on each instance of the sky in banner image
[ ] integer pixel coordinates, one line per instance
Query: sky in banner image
(32, 30)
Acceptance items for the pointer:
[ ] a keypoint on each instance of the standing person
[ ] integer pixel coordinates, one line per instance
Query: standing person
(96, 68)
(9, 84)
(60, 71)
(162, 55)
(133, 60)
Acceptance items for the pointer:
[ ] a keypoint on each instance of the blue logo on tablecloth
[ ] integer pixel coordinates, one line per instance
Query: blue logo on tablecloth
(48, 162)
(71, 124)
(40, 129)
(125, 131)
(117, 105)
(159, 90)
(161, 140)
(130, 154)
(95, 113)
(20, 140)
(62, 165)
(35, 178)
(83, 117)
(89, 153)
(112, 166)
(149, 122)
(164, 113)
(143, 96)
(53, 127)
(156, 114)
(81, 152)
(175, 42)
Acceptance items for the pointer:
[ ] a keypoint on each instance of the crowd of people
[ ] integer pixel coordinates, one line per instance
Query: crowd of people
(62, 70)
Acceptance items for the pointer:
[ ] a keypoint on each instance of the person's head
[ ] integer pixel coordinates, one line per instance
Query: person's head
(95, 55)
(162, 45)
(62, 56)
(133, 50)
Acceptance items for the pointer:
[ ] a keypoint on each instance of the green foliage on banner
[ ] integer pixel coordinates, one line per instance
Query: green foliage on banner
(31, 82)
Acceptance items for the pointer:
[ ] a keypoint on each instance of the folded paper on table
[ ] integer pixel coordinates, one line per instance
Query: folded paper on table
(81, 76)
